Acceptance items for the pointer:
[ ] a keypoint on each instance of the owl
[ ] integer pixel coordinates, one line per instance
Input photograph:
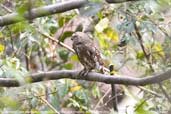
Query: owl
(87, 53)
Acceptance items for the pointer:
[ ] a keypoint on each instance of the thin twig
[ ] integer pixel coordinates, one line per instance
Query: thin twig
(6, 9)
(26, 56)
(164, 92)
(101, 99)
(57, 41)
(11, 38)
(50, 106)
(113, 97)
(41, 59)
(42, 95)
(149, 91)
(143, 47)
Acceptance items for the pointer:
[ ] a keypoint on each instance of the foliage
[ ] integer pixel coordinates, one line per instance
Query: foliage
(24, 50)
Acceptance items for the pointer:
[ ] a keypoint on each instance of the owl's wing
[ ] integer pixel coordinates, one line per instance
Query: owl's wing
(94, 54)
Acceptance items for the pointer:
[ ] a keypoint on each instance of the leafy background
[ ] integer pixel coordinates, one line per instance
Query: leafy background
(24, 50)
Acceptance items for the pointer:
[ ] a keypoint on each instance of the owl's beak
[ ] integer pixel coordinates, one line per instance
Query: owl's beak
(72, 38)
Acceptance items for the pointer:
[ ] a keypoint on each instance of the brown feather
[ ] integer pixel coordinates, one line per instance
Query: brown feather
(87, 53)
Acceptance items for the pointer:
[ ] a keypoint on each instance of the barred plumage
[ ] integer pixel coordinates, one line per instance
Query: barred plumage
(87, 53)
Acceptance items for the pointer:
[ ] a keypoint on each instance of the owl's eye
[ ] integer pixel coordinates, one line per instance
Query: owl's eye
(78, 43)
(72, 38)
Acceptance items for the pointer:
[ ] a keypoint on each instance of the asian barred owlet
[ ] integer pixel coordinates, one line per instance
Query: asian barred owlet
(87, 53)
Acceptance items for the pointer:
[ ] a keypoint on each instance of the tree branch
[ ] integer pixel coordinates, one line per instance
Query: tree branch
(48, 10)
(92, 76)
(119, 1)
(42, 11)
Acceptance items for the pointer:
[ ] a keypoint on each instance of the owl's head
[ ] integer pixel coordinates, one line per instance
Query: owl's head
(79, 36)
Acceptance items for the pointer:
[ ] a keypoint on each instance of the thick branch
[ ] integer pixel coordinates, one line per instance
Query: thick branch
(119, 1)
(48, 10)
(70, 74)
(8, 82)
(42, 11)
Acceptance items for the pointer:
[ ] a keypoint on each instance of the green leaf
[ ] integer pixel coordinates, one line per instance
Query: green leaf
(161, 19)
(142, 107)
(9, 102)
(74, 57)
(103, 24)
(73, 103)
(23, 8)
(65, 35)
(63, 89)
(63, 20)
(145, 18)
(54, 101)
(63, 54)
(111, 34)
(127, 26)
(68, 66)
(19, 27)
(1, 35)
(103, 40)
(142, 111)
(2, 47)
(140, 55)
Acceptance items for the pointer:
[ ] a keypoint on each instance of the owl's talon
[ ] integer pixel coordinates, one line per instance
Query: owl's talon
(83, 72)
